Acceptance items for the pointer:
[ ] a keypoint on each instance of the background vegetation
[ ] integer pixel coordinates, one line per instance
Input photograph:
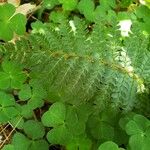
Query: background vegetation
(75, 75)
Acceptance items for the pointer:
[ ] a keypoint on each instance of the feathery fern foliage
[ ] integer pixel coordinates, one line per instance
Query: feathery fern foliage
(76, 65)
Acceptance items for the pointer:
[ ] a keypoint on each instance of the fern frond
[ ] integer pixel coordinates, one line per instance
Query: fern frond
(86, 66)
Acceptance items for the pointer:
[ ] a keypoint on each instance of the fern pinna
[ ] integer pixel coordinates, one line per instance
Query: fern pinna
(76, 65)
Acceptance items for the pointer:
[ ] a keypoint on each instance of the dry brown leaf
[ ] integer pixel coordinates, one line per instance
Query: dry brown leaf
(16, 3)
(26, 9)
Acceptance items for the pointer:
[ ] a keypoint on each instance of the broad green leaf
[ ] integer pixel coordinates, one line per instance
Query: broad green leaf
(37, 96)
(79, 144)
(55, 115)
(69, 4)
(59, 135)
(107, 4)
(75, 126)
(26, 112)
(142, 121)
(6, 100)
(133, 128)
(4, 80)
(57, 17)
(39, 145)
(12, 75)
(25, 92)
(100, 129)
(17, 24)
(20, 142)
(34, 129)
(10, 22)
(136, 142)
(109, 145)
(87, 7)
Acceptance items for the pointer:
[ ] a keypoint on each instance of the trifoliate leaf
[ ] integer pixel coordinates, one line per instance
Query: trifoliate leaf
(100, 129)
(75, 126)
(34, 129)
(107, 4)
(25, 92)
(136, 142)
(142, 121)
(133, 128)
(20, 142)
(79, 143)
(6, 100)
(55, 115)
(69, 4)
(39, 145)
(59, 135)
(87, 7)
(26, 112)
(57, 17)
(10, 22)
(12, 75)
(37, 96)
(108, 146)
(8, 110)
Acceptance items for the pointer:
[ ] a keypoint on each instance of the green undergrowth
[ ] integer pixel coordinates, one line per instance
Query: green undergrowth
(77, 82)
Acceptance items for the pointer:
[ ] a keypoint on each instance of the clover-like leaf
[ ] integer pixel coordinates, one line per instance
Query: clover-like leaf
(100, 129)
(69, 4)
(55, 115)
(39, 145)
(107, 4)
(10, 22)
(75, 126)
(59, 135)
(80, 143)
(34, 129)
(87, 7)
(20, 142)
(12, 75)
(109, 145)
(133, 128)
(37, 96)
(25, 92)
(136, 142)
(7, 107)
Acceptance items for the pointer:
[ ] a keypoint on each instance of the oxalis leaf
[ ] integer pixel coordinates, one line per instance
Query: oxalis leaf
(12, 75)
(10, 22)
(34, 129)
(108, 146)
(21, 142)
(7, 107)
(55, 115)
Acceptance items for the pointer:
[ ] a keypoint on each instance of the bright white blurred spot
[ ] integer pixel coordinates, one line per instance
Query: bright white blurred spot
(125, 27)
(71, 23)
(110, 35)
(142, 2)
(57, 29)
